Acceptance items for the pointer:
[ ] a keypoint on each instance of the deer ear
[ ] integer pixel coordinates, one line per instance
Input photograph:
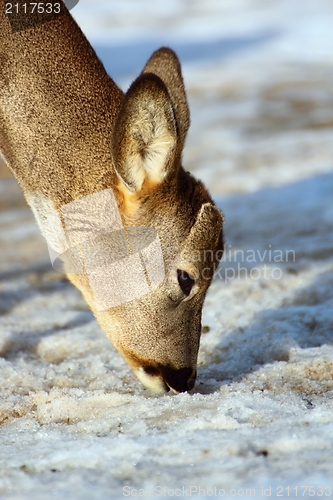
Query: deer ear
(165, 64)
(205, 233)
(145, 135)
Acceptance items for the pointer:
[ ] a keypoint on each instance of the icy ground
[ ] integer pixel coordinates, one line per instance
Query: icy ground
(75, 422)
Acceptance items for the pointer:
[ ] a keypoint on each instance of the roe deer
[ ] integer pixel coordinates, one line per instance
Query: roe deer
(68, 133)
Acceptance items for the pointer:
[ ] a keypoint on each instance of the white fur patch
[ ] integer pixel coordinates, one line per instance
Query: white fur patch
(152, 163)
(154, 383)
(42, 207)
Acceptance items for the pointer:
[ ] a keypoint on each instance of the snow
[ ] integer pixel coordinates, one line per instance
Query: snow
(75, 422)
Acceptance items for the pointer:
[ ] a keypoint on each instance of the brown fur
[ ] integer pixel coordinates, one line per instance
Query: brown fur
(66, 131)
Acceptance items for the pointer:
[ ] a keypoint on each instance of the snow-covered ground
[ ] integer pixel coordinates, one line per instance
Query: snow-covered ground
(75, 422)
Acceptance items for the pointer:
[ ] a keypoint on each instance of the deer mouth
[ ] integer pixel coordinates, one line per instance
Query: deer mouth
(162, 379)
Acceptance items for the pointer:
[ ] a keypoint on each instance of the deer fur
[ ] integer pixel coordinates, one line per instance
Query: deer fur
(67, 131)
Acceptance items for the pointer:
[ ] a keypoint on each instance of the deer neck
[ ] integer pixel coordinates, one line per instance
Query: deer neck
(57, 111)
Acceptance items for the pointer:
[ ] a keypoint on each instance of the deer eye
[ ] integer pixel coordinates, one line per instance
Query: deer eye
(185, 281)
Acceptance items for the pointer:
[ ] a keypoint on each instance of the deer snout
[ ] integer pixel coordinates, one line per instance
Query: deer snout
(163, 378)
(181, 380)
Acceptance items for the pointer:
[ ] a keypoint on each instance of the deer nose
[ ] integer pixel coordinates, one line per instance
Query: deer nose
(180, 380)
